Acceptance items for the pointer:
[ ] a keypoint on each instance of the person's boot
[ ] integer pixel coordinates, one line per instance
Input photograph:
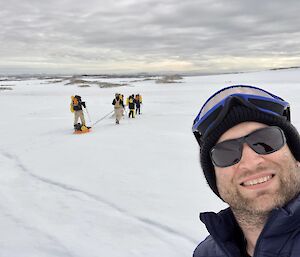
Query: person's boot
(77, 126)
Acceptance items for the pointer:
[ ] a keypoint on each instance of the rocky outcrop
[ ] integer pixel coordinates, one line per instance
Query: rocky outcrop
(169, 79)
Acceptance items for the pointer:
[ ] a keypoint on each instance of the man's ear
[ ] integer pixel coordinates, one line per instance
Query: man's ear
(298, 164)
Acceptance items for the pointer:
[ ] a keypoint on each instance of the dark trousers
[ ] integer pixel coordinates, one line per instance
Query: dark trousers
(138, 110)
(131, 113)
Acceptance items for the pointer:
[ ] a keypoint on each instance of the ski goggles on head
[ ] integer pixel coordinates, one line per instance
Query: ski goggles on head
(263, 141)
(217, 106)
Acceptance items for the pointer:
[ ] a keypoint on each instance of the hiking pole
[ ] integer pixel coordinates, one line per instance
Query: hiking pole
(88, 114)
(102, 118)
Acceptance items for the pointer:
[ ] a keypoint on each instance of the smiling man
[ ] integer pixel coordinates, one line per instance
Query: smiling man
(250, 153)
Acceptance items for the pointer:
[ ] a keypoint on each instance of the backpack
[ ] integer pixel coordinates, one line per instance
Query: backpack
(117, 103)
(74, 102)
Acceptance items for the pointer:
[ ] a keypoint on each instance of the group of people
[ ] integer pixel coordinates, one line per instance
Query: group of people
(133, 102)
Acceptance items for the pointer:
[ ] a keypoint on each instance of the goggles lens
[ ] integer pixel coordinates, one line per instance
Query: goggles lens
(262, 141)
(225, 92)
(249, 96)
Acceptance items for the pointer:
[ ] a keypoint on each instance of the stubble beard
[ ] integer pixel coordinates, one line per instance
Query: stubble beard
(253, 212)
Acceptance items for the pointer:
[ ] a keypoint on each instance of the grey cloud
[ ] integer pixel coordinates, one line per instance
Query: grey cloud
(194, 31)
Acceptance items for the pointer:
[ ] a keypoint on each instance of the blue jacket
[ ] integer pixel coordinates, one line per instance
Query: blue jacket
(279, 238)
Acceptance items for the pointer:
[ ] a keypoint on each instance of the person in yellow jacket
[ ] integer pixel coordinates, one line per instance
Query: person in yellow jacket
(131, 106)
(76, 108)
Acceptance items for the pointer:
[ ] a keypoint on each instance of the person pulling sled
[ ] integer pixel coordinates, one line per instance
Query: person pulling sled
(76, 108)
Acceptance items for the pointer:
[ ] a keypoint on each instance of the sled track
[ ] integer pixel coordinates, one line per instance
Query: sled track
(144, 220)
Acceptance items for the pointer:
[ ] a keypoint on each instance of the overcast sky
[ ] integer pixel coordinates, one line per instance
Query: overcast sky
(100, 36)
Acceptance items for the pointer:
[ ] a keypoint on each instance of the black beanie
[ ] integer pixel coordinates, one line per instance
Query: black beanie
(236, 115)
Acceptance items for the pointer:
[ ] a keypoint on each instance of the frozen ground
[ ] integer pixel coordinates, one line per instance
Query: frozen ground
(130, 190)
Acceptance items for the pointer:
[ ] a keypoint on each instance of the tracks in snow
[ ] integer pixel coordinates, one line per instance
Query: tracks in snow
(151, 224)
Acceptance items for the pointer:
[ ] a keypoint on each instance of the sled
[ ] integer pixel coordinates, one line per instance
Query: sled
(82, 131)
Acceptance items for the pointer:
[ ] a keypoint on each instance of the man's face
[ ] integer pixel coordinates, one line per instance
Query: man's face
(257, 183)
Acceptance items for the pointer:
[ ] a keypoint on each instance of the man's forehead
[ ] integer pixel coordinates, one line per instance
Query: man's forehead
(240, 130)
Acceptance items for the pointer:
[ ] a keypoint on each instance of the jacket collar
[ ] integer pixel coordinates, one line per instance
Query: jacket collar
(223, 227)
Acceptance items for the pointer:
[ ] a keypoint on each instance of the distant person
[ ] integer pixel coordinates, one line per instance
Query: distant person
(123, 109)
(140, 98)
(137, 104)
(250, 153)
(118, 107)
(76, 107)
(131, 106)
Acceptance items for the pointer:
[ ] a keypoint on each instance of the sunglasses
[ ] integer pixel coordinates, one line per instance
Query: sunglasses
(263, 141)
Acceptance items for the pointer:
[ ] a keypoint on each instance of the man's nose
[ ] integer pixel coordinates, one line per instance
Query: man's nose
(250, 159)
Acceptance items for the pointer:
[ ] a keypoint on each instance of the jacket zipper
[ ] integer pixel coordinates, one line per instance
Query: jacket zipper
(269, 223)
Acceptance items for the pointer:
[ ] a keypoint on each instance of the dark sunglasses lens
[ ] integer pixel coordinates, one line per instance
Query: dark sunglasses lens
(226, 153)
(265, 141)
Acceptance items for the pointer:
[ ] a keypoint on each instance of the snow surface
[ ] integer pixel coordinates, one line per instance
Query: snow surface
(135, 189)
